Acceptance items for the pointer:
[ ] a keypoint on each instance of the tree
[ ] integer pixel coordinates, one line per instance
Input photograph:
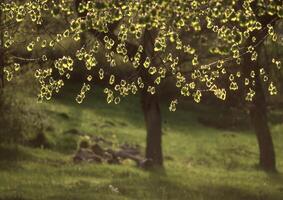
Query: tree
(159, 41)
(258, 109)
(2, 63)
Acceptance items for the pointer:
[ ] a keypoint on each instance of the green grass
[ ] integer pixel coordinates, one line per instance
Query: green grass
(201, 163)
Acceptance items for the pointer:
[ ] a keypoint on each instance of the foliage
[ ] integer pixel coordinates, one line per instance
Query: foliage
(21, 121)
(159, 39)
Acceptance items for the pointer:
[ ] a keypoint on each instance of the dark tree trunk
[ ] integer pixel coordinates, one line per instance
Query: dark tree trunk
(258, 108)
(150, 106)
(1, 70)
(2, 63)
(152, 116)
(259, 121)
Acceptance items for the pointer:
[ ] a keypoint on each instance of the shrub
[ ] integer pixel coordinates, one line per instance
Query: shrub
(21, 120)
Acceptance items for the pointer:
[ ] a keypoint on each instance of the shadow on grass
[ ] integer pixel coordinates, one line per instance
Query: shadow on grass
(13, 198)
(10, 156)
(128, 111)
(158, 185)
(277, 178)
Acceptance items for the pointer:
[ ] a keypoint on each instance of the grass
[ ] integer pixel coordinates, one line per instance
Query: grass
(201, 163)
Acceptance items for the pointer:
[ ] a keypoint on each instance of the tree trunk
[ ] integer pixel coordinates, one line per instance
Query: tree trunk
(258, 108)
(1, 71)
(150, 107)
(259, 121)
(2, 63)
(152, 116)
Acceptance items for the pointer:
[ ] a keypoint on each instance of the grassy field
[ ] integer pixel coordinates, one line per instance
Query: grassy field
(201, 163)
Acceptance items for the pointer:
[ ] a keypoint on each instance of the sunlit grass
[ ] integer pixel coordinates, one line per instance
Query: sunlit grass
(200, 162)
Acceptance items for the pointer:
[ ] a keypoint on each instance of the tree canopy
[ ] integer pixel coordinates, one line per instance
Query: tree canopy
(198, 44)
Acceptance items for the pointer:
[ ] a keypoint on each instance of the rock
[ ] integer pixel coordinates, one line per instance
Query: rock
(95, 158)
(84, 144)
(113, 160)
(134, 150)
(86, 155)
(77, 158)
(99, 139)
(96, 153)
(97, 150)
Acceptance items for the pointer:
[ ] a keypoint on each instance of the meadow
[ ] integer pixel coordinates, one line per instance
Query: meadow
(201, 162)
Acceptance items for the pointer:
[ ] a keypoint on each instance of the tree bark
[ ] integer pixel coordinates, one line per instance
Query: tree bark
(152, 117)
(150, 106)
(258, 108)
(2, 63)
(1, 70)
(259, 121)
(258, 114)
